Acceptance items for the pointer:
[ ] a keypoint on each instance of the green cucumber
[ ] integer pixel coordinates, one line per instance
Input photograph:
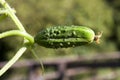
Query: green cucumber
(65, 36)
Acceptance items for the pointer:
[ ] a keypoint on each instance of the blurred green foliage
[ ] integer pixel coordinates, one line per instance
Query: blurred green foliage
(100, 15)
(116, 17)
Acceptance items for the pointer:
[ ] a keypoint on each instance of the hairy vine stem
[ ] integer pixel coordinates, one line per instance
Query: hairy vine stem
(12, 15)
(7, 10)
(19, 33)
(13, 60)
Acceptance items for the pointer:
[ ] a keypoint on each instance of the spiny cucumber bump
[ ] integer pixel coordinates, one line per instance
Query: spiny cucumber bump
(65, 36)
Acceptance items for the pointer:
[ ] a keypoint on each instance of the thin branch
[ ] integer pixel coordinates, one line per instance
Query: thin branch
(12, 15)
(19, 33)
(5, 11)
(13, 60)
(42, 66)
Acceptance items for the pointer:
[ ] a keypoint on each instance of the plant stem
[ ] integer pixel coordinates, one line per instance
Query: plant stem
(19, 33)
(12, 15)
(13, 60)
(5, 11)
(34, 53)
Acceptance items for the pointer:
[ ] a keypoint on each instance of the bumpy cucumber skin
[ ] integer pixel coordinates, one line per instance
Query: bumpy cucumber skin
(65, 36)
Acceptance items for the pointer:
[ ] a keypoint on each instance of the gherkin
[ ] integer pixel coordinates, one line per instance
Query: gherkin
(65, 36)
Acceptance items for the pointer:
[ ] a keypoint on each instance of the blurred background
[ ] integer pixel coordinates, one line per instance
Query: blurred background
(99, 61)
